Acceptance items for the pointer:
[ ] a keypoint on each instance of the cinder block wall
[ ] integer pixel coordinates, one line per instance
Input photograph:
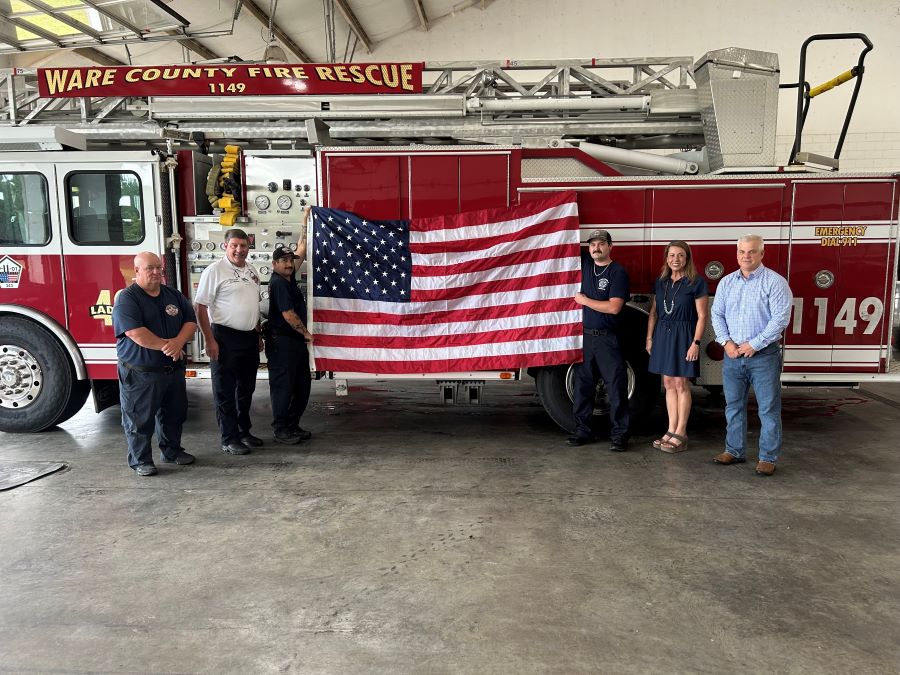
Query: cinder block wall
(863, 151)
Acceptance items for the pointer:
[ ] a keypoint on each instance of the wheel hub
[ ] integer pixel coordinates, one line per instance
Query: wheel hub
(601, 404)
(21, 377)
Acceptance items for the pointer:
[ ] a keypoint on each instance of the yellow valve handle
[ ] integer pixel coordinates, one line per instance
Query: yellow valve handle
(832, 83)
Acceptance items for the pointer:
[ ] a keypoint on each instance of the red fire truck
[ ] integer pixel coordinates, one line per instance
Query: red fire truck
(656, 149)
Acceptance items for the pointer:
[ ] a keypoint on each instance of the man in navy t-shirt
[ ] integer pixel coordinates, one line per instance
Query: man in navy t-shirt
(286, 338)
(152, 323)
(604, 292)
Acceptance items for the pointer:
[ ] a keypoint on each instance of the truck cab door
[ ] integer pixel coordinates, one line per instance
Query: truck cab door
(109, 214)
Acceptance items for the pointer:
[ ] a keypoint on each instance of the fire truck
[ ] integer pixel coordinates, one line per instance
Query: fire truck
(656, 149)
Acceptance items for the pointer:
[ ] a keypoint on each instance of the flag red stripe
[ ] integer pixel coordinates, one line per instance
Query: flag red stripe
(487, 287)
(483, 264)
(468, 245)
(512, 362)
(456, 315)
(453, 340)
(474, 218)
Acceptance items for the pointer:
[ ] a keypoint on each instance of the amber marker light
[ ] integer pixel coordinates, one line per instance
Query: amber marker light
(190, 373)
(506, 376)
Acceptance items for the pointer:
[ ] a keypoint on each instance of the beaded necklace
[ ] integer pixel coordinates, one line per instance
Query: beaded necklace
(668, 309)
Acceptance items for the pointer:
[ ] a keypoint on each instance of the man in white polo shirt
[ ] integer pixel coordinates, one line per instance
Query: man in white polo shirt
(227, 308)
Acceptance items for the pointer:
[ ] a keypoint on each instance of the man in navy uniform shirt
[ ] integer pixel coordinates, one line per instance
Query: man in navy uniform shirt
(286, 338)
(604, 292)
(152, 323)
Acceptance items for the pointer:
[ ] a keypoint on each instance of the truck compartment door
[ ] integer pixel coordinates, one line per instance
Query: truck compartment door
(841, 248)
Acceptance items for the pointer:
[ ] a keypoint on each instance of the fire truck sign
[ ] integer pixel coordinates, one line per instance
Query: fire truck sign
(232, 80)
(10, 272)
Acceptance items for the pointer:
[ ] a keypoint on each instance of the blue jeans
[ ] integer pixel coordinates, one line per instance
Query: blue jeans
(762, 371)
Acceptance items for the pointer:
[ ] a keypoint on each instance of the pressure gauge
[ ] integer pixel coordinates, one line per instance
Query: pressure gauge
(285, 202)
(263, 270)
(262, 202)
(210, 246)
(293, 247)
(265, 295)
(196, 245)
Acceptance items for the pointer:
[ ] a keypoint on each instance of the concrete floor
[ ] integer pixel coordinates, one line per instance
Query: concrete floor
(407, 537)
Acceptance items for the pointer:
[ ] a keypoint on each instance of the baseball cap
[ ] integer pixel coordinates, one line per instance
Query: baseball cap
(600, 234)
(283, 252)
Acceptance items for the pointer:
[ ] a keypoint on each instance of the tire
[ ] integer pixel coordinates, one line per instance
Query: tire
(555, 388)
(551, 390)
(38, 388)
(80, 391)
(555, 385)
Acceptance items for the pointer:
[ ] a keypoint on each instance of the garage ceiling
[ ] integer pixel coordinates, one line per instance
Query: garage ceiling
(143, 32)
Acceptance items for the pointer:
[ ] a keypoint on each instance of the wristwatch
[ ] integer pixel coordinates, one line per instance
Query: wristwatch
(697, 342)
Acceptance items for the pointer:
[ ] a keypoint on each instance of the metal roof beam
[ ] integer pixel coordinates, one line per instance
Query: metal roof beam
(98, 57)
(112, 17)
(196, 47)
(420, 11)
(40, 32)
(354, 24)
(62, 18)
(283, 37)
(12, 43)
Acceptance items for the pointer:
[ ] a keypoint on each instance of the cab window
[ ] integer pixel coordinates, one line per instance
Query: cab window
(105, 208)
(24, 211)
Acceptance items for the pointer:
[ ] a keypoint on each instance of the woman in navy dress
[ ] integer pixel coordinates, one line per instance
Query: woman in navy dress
(678, 314)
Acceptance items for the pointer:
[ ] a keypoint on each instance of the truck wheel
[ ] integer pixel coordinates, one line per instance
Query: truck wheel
(556, 391)
(80, 391)
(37, 382)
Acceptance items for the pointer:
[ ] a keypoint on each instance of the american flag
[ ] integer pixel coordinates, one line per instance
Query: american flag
(483, 290)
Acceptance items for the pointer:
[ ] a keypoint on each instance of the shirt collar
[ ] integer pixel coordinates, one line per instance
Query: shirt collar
(755, 273)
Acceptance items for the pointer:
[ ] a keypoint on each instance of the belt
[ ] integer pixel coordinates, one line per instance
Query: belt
(594, 331)
(281, 332)
(152, 369)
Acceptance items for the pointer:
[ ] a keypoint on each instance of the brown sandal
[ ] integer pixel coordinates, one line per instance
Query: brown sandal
(663, 439)
(671, 448)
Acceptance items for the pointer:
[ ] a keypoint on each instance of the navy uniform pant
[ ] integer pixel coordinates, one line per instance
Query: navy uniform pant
(152, 401)
(289, 380)
(234, 380)
(602, 358)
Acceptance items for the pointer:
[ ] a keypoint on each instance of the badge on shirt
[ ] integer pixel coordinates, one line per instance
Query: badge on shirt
(603, 284)
(172, 310)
